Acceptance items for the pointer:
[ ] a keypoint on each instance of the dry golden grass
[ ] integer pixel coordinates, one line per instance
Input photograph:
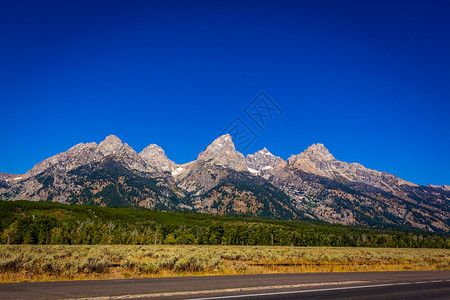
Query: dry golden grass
(42, 263)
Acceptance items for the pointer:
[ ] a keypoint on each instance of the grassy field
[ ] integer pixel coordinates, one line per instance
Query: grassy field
(41, 263)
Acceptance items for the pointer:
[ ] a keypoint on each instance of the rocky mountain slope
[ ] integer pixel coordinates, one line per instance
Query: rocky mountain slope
(312, 184)
(263, 161)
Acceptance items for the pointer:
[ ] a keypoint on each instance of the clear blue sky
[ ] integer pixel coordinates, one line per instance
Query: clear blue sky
(369, 79)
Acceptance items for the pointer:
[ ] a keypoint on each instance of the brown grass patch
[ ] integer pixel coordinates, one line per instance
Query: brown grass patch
(43, 263)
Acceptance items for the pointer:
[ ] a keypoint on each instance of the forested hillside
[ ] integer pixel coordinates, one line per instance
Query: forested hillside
(28, 222)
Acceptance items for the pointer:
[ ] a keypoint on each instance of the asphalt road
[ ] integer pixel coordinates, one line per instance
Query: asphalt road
(360, 285)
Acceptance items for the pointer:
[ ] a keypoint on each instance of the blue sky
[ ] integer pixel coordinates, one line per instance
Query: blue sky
(369, 79)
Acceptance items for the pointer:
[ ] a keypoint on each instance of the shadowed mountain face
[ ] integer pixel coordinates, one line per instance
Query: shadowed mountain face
(312, 184)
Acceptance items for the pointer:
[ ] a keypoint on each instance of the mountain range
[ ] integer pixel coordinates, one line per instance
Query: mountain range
(310, 185)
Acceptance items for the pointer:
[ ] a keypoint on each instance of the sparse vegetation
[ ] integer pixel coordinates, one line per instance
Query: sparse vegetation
(38, 263)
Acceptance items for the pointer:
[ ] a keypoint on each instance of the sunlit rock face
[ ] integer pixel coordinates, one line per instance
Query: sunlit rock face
(155, 157)
(319, 161)
(263, 161)
(221, 152)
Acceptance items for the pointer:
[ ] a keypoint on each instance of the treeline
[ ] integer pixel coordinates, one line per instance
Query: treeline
(26, 222)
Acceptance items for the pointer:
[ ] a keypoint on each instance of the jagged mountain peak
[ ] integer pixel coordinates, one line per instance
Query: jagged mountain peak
(78, 147)
(111, 145)
(442, 187)
(223, 141)
(152, 150)
(220, 144)
(263, 160)
(222, 152)
(84, 154)
(155, 156)
(319, 161)
(112, 139)
(265, 152)
(318, 152)
(312, 160)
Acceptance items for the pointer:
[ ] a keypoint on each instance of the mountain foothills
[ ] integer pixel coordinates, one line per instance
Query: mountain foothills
(310, 185)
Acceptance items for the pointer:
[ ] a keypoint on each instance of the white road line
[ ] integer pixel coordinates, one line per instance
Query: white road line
(233, 290)
(296, 292)
(310, 291)
(226, 290)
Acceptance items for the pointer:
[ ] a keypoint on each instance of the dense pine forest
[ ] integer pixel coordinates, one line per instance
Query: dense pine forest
(27, 222)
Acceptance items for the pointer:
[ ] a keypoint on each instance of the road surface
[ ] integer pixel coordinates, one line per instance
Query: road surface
(355, 285)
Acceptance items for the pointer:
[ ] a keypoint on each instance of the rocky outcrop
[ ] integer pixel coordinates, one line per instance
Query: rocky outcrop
(264, 162)
(76, 156)
(319, 161)
(442, 187)
(221, 152)
(150, 160)
(156, 158)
